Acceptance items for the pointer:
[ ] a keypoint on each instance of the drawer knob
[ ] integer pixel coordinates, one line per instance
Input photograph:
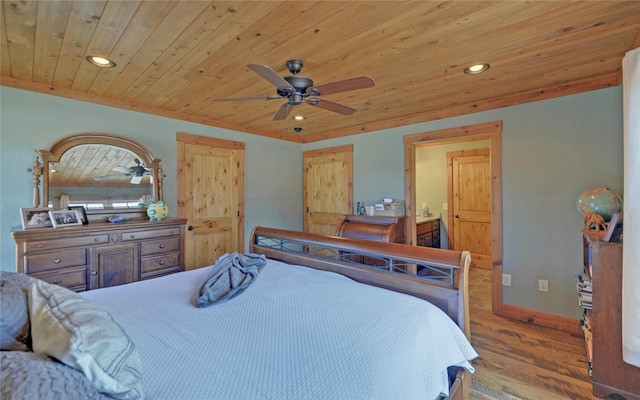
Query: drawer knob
(57, 281)
(94, 273)
(161, 262)
(40, 245)
(96, 240)
(161, 246)
(56, 261)
(132, 236)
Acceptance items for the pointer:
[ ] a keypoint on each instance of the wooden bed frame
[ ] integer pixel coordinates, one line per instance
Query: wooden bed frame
(443, 280)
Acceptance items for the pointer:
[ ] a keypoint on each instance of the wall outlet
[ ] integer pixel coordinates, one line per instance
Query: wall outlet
(543, 285)
(445, 206)
(506, 280)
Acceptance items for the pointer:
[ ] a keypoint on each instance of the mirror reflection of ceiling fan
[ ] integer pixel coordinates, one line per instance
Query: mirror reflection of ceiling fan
(136, 173)
(297, 88)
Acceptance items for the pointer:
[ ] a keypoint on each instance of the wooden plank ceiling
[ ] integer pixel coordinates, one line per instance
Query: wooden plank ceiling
(173, 57)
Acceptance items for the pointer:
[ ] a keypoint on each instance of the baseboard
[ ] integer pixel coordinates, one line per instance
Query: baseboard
(566, 324)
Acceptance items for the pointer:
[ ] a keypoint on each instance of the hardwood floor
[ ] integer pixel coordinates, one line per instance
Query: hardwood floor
(522, 360)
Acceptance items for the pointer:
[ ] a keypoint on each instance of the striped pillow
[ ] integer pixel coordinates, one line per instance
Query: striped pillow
(66, 326)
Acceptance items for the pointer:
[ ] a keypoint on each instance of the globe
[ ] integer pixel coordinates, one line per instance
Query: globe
(600, 200)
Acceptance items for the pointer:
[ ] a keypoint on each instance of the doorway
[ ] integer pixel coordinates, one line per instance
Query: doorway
(488, 131)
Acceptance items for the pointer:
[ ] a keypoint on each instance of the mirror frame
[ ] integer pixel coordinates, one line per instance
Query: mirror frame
(55, 152)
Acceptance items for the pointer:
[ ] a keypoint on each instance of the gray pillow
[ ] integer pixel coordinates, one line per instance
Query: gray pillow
(14, 318)
(26, 375)
(76, 332)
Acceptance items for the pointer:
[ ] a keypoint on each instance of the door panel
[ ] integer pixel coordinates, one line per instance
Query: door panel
(210, 196)
(114, 265)
(471, 190)
(328, 186)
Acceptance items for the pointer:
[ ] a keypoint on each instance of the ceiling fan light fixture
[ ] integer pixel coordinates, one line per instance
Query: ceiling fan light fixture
(299, 118)
(100, 61)
(476, 69)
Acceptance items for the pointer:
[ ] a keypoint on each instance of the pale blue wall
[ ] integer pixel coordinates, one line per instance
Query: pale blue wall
(30, 121)
(552, 150)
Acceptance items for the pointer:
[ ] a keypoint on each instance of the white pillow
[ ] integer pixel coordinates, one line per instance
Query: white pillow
(66, 326)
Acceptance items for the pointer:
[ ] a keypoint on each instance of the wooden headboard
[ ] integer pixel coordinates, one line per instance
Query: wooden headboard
(443, 278)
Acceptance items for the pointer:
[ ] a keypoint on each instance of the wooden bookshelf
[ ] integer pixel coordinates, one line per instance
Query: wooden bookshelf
(610, 374)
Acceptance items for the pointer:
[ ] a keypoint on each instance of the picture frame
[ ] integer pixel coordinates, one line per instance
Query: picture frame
(37, 217)
(82, 212)
(60, 218)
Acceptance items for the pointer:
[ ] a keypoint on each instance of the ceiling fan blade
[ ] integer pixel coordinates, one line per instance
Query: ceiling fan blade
(331, 106)
(124, 170)
(270, 75)
(360, 82)
(283, 112)
(136, 179)
(273, 97)
(107, 177)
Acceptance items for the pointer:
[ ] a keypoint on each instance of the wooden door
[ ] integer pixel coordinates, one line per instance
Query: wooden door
(210, 197)
(470, 216)
(328, 188)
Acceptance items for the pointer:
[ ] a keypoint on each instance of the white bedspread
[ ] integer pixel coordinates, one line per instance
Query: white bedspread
(295, 333)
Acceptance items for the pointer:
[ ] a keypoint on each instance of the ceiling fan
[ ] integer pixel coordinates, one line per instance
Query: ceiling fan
(297, 88)
(136, 173)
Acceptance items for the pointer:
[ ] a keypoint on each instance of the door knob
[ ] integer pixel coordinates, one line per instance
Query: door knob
(457, 216)
(191, 227)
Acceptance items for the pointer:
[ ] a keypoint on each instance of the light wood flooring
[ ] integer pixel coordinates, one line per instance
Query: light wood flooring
(523, 360)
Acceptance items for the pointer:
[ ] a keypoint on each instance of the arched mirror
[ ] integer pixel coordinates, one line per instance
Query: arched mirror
(107, 174)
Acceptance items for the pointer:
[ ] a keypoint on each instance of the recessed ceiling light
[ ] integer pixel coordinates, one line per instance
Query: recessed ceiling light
(298, 118)
(100, 61)
(476, 69)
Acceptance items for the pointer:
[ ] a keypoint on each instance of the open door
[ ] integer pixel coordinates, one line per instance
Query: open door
(491, 131)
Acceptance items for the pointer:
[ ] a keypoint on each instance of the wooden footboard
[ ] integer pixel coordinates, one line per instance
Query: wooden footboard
(461, 387)
(436, 275)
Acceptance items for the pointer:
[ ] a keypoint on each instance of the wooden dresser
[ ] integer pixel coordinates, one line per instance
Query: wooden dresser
(603, 320)
(379, 229)
(428, 232)
(101, 254)
(376, 228)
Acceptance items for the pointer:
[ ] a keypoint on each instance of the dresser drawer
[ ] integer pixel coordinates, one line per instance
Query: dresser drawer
(160, 246)
(423, 227)
(59, 259)
(159, 263)
(72, 278)
(55, 244)
(151, 234)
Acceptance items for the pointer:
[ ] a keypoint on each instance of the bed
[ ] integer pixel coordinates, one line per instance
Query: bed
(319, 321)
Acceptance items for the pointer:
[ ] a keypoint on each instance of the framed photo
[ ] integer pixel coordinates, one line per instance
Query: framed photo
(65, 218)
(82, 212)
(35, 218)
